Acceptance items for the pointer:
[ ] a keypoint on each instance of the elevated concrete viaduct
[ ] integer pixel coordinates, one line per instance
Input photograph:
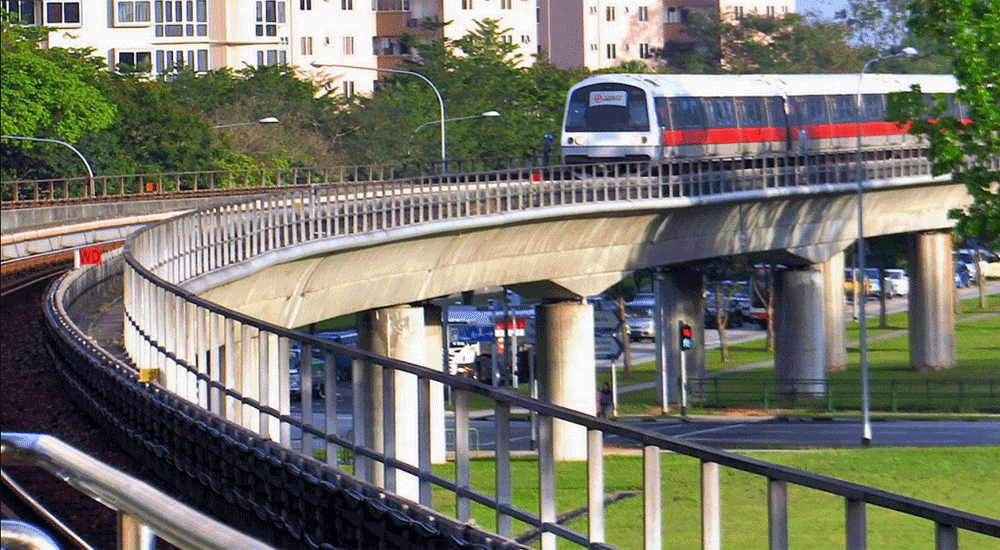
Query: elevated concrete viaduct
(561, 254)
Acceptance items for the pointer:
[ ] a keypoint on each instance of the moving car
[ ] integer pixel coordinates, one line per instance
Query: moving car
(897, 282)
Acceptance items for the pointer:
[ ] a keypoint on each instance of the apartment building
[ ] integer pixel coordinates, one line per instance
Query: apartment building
(211, 34)
(599, 34)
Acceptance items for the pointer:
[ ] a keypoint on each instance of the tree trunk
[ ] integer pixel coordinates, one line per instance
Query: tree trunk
(721, 320)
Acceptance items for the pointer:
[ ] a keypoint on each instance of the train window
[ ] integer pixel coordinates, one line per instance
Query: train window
(721, 113)
(662, 112)
(843, 109)
(957, 109)
(607, 108)
(873, 107)
(776, 106)
(687, 113)
(811, 110)
(751, 112)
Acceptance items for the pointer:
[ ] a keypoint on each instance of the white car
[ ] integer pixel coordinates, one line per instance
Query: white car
(897, 282)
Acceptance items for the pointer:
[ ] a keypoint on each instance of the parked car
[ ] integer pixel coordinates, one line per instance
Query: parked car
(962, 277)
(871, 283)
(897, 282)
(738, 311)
(641, 325)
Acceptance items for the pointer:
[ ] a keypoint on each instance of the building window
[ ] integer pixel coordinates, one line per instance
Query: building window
(66, 13)
(611, 50)
(168, 60)
(307, 45)
(305, 5)
(131, 61)
(643, 13)
(348, 88)
(177, 18)
(133, 13)
(347, 5)
(526, 39)
(770, 11)
(23, 9)
(466, 4)
(271, 57)
(593, 47)
(593, 9)
(270, 13)
(644, 51)
(348, 45)
(609, 13)
(506, 4)
(738, 12)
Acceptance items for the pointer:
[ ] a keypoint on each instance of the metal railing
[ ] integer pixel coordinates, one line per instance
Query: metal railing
(52, 191)
(237, 367)
(144, 512)
(895, 394)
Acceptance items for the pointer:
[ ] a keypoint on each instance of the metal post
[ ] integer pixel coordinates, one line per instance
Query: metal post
(862, 294)
(90, 172)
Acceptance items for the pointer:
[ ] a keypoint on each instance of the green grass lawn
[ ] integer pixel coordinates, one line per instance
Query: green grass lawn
(894, 384)
(963, 478)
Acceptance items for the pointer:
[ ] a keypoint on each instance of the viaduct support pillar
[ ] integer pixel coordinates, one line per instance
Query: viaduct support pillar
(833, 298)
(931, 301)
(566, 369)
(800, 333)
(678, 293)
(396, 332)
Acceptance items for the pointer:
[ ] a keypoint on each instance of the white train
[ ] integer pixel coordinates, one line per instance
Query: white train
(653, 117)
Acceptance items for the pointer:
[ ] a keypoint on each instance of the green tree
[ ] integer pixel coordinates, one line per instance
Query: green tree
(760, 44)
(47, 93)
(967, 30)
(477, 73)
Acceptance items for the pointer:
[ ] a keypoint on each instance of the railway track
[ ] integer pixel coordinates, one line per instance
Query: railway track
(34, 401)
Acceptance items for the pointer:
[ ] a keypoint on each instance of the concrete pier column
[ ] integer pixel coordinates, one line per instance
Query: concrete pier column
(396, 332)
(800, 333)
(433, 328)
(679, 294)
(566, 369)
(833, 307)
(931, 301)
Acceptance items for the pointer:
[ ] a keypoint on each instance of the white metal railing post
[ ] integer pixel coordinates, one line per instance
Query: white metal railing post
(652, 499)
(595, 485)
(133, 534)
(945, 537)
(857, 524)
(711, 521)
(330, 406)
(426, 488)
(546, 481)
(462, 477)
(502, 460)
(777, 516)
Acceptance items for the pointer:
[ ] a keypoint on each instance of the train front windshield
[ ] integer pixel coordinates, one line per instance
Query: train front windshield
(607, 108)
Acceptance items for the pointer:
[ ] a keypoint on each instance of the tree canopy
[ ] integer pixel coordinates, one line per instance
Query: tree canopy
(50, 93)
(966, 30)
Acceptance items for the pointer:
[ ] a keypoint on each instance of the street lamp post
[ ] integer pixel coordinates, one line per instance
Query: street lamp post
(866, 435)
(90, 172)
(444, 139)
(265, 120)
(487, 114)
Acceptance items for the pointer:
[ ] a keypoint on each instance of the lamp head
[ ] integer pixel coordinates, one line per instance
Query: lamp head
(909, 51)
(490, 114)
(269, 120)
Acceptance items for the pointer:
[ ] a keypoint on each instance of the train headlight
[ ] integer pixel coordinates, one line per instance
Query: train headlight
(644, 140)
(575, 140)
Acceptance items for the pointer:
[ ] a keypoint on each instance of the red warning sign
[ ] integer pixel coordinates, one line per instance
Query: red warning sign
(90, 256)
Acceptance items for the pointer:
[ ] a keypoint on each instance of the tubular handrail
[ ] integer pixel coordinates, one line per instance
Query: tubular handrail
(148, 507)
(164, 256)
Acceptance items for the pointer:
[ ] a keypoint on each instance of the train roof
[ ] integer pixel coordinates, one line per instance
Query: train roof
(757, 85)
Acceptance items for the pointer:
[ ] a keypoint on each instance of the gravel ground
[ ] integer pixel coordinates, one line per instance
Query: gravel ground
(34, 401)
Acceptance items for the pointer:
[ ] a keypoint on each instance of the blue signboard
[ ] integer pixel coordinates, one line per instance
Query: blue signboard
(470, 333)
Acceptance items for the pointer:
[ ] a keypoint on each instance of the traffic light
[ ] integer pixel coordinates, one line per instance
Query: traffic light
(687, 337)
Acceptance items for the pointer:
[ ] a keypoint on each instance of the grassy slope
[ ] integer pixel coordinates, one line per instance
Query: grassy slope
(961, 478)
